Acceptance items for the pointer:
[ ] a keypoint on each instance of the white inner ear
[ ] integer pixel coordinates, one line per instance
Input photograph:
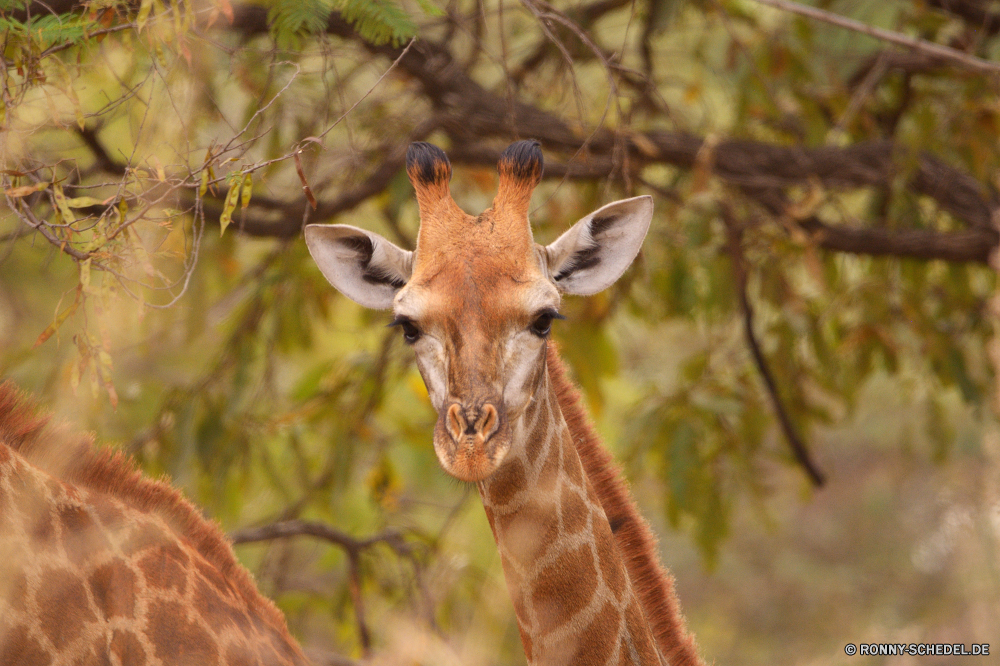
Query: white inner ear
(595, 251)
(362, 265)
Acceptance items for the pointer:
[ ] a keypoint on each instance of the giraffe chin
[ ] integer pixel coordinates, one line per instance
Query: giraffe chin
(471, 459)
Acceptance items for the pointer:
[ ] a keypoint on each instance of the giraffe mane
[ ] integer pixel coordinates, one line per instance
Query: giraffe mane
(73, 458)
(636, 543)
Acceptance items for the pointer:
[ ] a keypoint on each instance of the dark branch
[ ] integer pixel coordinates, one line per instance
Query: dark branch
(967, 245)
(582, 15)
(970, 245)
(289, 528)
(470, 114)
(734, 234)
(907, 62)
(101, 157)
(352, 546)
(973, 12)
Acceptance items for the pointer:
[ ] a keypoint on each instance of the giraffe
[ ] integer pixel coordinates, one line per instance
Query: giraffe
(101, 566)
(476, 301)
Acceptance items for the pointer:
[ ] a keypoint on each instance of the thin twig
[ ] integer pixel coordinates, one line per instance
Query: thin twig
(260, 111)
(923, 45)
(734, 233)
(862, 93)
(289, 528)
(354, 586)
(298, 147)
(97, 33)
(28, 217)
(372, 89)
(352, 546)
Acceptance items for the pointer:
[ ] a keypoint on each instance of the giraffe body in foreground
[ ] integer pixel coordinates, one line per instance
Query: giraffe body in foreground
(102, 566)
(476, 301)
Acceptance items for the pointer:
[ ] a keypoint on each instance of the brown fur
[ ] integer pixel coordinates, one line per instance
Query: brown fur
(74, 460)
(635, 540)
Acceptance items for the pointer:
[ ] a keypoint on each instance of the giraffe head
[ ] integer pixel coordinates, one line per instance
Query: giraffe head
(478, 296)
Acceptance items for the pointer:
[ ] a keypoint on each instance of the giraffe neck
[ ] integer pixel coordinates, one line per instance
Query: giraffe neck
(101, 565)
(573, 598)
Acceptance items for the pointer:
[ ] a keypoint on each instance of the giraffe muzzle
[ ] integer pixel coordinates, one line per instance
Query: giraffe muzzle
(470, 442)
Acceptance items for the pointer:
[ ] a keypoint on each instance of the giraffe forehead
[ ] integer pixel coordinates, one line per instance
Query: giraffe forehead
(481, 293)
(477, 287)
(482, 269)
(499, 236)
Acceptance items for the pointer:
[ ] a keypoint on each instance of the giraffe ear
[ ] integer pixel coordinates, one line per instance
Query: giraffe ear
(596, 250)
(364, 266)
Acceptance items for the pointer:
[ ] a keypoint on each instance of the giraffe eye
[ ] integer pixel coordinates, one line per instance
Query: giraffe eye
(543, 322)
(410, 331)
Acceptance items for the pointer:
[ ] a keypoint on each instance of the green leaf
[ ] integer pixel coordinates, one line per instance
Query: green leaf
(60, 318)
(144, 9)
(227, 210)
(83, 202)
(49, 29)
(247, 188)
(378, 21)
(85, 274)
(430, 8)
(290, 19)
(62, 204)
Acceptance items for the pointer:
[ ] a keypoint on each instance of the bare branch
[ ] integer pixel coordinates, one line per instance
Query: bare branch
(945, 52)
(289, 528)
(472, 115)
(734, 233)
(101, 157)
(583, 16)
(968, 245)
(893, 60)
(97, 33)
(352, 546)
(973, 12)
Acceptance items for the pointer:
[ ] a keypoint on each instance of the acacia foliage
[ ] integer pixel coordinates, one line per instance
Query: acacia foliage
(825, 215)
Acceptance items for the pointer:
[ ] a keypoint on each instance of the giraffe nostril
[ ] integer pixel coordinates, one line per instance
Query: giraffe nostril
(456, 421)
(489, 421)
(461, 422)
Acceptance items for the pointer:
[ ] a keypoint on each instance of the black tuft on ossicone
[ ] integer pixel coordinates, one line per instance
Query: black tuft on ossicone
(427, 163)
(523, 161)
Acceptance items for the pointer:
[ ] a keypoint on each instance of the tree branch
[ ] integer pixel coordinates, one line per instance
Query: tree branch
(892, 60)
(944, 52)
(734, 234)
(968, 245)
(972, 12)
(352, 547)
(470, 114)
(289, 528)
(583, 15)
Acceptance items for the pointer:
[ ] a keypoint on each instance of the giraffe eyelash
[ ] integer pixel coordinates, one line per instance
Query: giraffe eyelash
(542, 323)
(411, 333)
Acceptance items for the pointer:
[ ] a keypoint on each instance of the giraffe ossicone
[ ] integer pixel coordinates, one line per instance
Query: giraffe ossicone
(476, 300)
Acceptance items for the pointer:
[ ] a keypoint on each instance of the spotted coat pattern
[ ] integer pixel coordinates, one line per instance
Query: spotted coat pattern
(100, 566)
(572, 595)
